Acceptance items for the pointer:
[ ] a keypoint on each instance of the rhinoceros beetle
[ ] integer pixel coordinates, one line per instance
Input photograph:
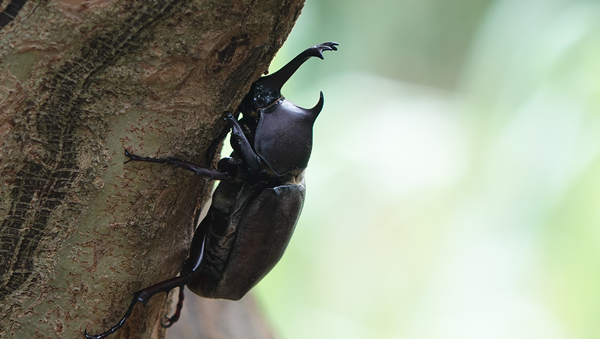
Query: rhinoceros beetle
(258, 201)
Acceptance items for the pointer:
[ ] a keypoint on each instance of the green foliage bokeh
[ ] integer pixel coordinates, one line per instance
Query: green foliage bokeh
(454, 186)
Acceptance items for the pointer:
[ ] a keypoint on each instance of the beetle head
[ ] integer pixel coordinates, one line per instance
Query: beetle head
(264, 92)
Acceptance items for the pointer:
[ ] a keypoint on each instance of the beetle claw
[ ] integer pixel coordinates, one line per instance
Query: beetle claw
(169, 323)
(129, 155)
(230, 119)
(173, 319)
(326, 46)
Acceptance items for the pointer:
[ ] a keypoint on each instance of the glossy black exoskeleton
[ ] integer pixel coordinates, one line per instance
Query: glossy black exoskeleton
(258, 202)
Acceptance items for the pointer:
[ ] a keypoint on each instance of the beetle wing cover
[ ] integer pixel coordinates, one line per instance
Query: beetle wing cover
(264, 229)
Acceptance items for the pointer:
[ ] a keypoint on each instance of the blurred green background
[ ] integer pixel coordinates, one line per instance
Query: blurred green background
(454, 186)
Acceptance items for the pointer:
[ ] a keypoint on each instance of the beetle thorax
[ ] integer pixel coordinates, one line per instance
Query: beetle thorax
(283, 137)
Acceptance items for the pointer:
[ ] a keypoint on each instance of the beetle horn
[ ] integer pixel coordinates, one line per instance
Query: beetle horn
(276, 80)
(279, 78)
(314, 112)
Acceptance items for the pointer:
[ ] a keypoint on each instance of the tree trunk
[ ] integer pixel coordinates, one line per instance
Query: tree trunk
(80, 81)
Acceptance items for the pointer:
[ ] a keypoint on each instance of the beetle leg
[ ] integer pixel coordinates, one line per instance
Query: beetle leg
(173, 319)
(143, 296)
(186, 275)
(241, 145)
(199, 170)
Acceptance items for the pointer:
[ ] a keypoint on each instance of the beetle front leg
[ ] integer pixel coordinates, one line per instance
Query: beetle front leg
(199, 170)
(241, 145)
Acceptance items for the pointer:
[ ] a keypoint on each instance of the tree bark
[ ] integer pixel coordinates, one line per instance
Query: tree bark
(80, 81)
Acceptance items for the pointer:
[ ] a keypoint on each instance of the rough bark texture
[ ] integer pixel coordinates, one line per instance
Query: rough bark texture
(79, 82)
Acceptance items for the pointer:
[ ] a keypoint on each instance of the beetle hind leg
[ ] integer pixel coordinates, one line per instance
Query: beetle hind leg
(118, 325)
(143, 297)
(173, 319)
